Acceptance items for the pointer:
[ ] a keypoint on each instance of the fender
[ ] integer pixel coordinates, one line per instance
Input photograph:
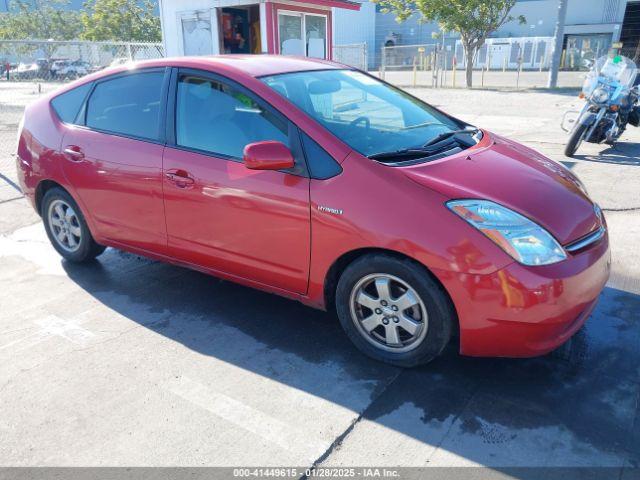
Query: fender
(588, 118)
(593, 120)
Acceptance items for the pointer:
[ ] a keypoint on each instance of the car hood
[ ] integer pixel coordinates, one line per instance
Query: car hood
(517, 177)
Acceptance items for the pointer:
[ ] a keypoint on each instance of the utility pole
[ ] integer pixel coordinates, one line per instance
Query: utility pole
(557, 44)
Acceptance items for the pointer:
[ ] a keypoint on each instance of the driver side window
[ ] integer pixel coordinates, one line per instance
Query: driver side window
(217, 118)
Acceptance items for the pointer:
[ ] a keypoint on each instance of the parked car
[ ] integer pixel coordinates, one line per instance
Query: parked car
(26, 71)
(119, 61)
(57, 65)
(70, 69)
(323, 184)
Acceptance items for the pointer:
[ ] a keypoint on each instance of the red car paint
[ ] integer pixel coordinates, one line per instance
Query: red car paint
(265, 229)
(267, 156)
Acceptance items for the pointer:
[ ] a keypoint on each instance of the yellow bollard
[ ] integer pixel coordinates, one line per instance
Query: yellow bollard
(444, 73)
(415, 72)
(453, 73)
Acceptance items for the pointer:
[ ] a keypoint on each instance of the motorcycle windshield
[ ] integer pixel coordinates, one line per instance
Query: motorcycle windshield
(611, 69)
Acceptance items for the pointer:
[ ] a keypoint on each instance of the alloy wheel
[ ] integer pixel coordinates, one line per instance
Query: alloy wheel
(65, 225)
(388, 312)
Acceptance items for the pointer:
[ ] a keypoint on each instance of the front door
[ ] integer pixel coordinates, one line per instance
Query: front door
(220, 215)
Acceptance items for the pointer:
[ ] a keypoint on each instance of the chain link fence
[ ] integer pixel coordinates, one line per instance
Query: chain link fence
(501, 63)
(53, 61)
(29, 68)
(632, 52)
(354, 55)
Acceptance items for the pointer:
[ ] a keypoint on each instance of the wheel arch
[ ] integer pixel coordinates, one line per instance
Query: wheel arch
(42, 188)
(347, 258)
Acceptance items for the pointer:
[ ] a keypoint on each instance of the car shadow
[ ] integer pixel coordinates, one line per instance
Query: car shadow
(571, 92)
(622, 153)
(582, 399)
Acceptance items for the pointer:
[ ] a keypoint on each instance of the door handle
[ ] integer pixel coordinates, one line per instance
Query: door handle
(74, 153)
(180, 178)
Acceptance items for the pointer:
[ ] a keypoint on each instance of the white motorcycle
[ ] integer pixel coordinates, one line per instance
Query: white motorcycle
(612, 98)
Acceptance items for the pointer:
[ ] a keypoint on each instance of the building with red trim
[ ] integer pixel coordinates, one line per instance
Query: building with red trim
(205, 27)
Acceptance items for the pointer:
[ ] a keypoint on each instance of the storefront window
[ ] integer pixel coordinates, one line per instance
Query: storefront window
(290, 32)
(316, 35)
(582, 50)
(302, 34)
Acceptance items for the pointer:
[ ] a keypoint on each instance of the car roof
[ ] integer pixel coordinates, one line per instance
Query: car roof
(252, 65)
(234, 66)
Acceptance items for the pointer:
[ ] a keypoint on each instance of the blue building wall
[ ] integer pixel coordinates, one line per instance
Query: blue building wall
(351, 27)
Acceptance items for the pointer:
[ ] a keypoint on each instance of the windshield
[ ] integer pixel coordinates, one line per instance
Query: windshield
(611, 69)
(367, 114)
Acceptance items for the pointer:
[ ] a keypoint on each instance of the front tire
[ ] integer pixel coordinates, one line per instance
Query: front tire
(66, 227)
(393, 310)
(575, 140)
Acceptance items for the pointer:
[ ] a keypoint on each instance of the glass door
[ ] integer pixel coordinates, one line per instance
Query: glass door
(316, 35)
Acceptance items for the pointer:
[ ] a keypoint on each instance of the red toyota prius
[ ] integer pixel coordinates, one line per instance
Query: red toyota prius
(321, 183)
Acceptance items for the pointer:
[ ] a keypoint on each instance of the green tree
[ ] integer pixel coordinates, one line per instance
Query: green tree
(120, 20)
(474, 20)
(39, 19)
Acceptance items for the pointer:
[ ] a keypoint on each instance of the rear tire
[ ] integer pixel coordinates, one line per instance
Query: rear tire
(575, 140)
(380, 294)
(66, 227)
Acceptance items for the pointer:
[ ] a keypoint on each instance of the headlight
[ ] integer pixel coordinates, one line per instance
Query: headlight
(600, 95)
(525, 241)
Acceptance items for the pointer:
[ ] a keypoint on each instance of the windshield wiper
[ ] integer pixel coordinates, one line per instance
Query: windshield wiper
(427, 149)
(407, 152)
(420, 125)
(445, 135)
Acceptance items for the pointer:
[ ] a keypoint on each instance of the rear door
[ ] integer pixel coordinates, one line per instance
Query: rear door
(249, 223)
(114, 157)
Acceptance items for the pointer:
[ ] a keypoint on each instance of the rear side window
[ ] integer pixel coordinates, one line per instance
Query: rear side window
(129, 105)
(68, 104)
(321, 164)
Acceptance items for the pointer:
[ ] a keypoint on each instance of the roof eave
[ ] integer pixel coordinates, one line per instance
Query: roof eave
(345, 4)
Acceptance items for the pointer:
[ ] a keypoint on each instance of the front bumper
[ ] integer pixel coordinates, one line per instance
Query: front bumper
(522, 311)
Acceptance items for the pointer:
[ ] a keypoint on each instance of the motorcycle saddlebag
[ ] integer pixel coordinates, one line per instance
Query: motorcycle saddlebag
(634, 117)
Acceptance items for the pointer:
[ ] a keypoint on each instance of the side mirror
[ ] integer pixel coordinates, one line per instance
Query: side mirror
(267, 155)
